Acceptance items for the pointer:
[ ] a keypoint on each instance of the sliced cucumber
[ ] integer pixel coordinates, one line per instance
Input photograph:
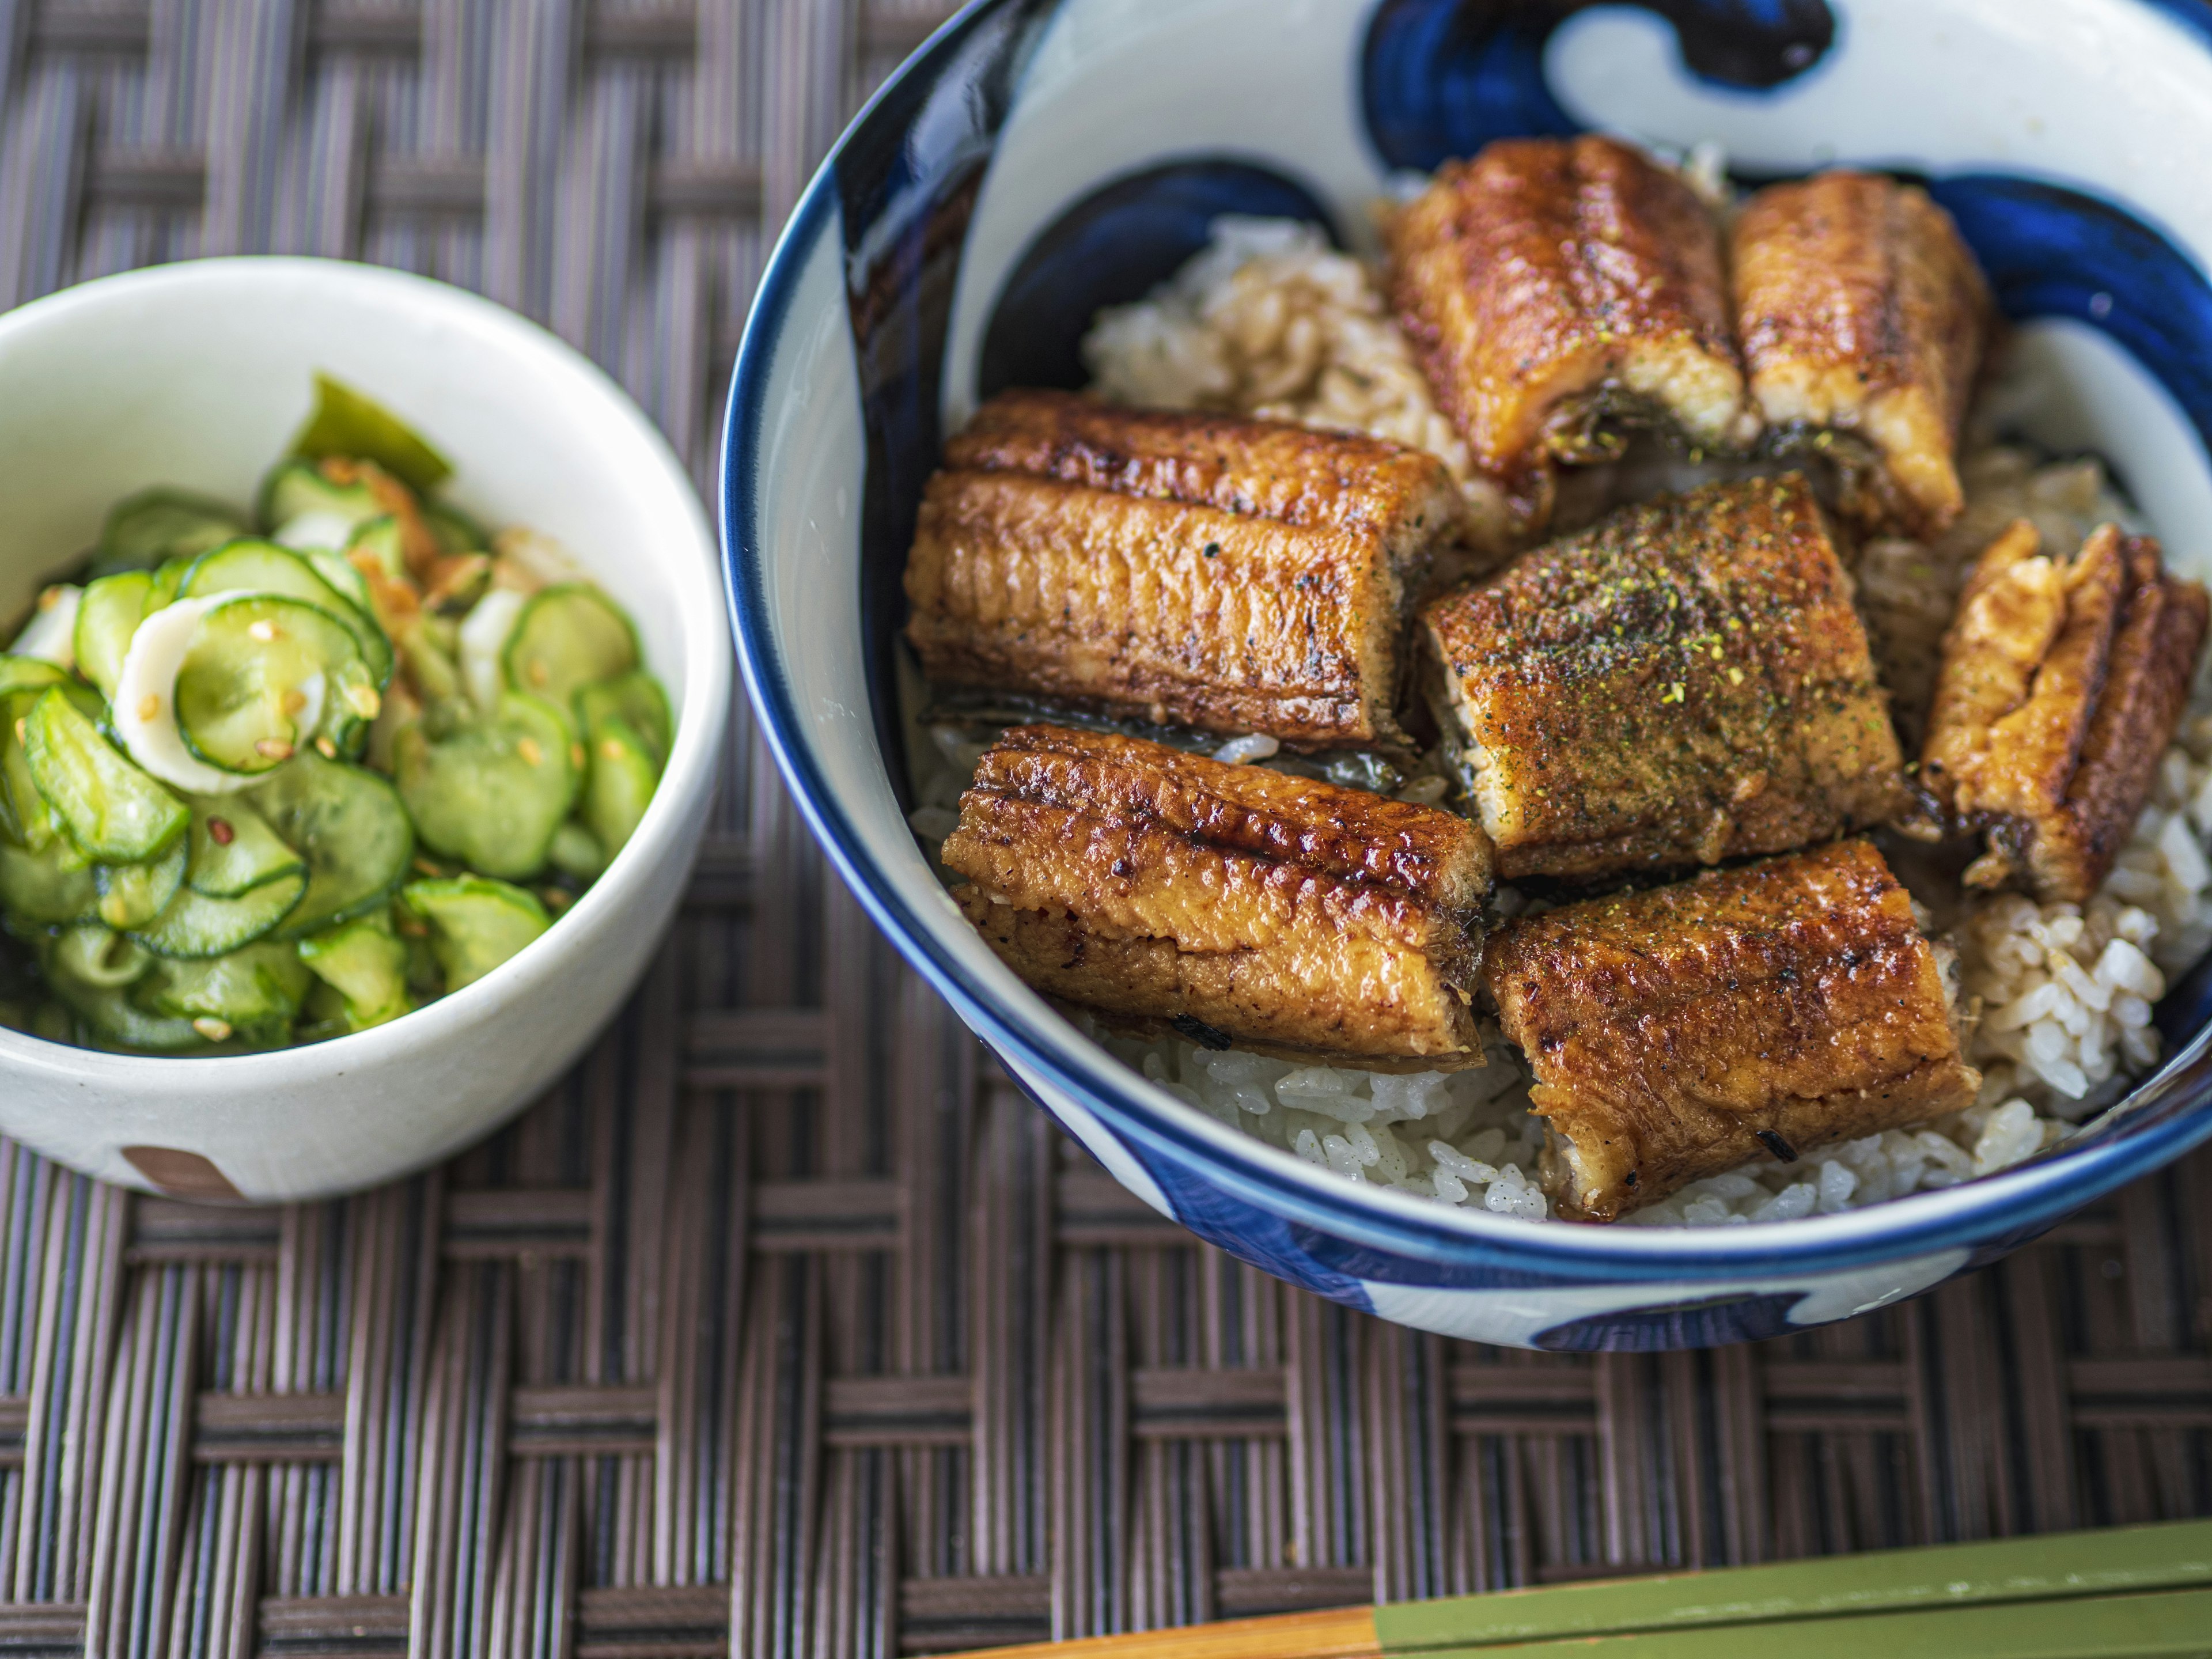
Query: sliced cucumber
(25, 817)
(47, 887)
(106, 618)
(475, 924)
(50, 634)
(484, 633)
(637, 698)
(115, 1019)
(100, 955)
(234, 850)
(349, 826)
(252, 989)
(28, 674)
(575, 851)
(299, 493)
(568, 637)
(110, 811)
(491, 793)
(255, 566)
(144, 711)
(618, 784)
(346, 422)
(339, 572)
(168, 576)
(194, 926)
(132, 895)
(381, 539)
(456, 532)
(366, 963)
(155, 525)
(261, 675)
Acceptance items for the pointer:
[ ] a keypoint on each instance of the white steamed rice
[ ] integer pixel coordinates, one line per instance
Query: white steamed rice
(1269, 320)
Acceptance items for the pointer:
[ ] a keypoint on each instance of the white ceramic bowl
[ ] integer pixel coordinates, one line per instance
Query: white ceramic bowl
(197, 376)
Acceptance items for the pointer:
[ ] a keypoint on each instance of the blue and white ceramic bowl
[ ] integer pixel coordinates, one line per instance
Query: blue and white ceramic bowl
(1041, 158)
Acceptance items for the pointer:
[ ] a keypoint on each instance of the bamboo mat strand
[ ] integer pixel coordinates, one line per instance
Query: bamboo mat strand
(783, 1325)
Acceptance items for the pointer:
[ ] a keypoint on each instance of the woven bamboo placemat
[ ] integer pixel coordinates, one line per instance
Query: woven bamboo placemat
(783, 1325)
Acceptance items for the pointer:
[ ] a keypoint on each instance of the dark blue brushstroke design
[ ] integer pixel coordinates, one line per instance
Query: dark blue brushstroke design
(2051, 252)
(2195, 15)
(1441, 78)
(907, 181)
(1711, 1322)
(1115, 245)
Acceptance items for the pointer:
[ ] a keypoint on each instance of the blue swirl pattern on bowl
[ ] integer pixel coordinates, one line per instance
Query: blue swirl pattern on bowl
(958, 272)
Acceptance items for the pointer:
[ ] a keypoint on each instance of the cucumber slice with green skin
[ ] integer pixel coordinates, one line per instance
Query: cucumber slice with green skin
(132, 895)
(575, 851)
(475, 924)
(28, 674)
(144, 711)
(50, 634)
(106, 618)
(143, 529)
(637, 698)
(366, 962)
(46, 888)
(568, 637)
(347, 582)
(349, 826)
(234, 850)
(456, 532)
(382, 540)
(25, 817)
(254, 989)
(116, 1020)
(168, 576)
(100, 955)
(110, 810)
(483, 635)
(262, 675)
(254, 566)
(194, 926)
(618, 784)
(347, 423)
(297, 492)
(491, 793)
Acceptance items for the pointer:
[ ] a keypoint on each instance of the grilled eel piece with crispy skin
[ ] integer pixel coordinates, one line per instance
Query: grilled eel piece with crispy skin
(1862, 313)
(1203, 570)
(1550, 284)
(1162, 887)
(1763, 1010)
(2061, 687)
(1684, 682)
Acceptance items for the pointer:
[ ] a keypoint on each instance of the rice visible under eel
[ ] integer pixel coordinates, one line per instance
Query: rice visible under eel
(1208, 571)
(1162, 887)
(1677, 1033)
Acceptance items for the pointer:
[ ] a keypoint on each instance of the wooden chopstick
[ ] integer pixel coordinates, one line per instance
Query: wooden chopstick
(2134, 1591)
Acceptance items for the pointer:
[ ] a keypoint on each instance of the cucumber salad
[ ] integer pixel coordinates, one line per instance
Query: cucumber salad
(273, 777)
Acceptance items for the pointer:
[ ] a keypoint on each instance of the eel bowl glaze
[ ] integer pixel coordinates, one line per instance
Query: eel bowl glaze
(1038, 159)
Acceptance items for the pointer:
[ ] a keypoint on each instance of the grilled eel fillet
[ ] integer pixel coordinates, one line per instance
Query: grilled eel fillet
(2061, 687)
(1164, 887)
(1205, 570)
(1684, 682)
(1549, 284)
(1680, 1032)
(1860, 310)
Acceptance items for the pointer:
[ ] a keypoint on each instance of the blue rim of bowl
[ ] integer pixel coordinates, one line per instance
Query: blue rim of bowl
(2011, 1206)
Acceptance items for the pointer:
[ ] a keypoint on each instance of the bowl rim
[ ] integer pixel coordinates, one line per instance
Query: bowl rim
(2011, 1205)
(692, 759)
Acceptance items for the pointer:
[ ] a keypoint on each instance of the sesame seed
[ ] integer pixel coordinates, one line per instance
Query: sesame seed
(272, 749)
(213, 1029)
(528, 749)
(149, 706)
(264, 631)
(220, 832)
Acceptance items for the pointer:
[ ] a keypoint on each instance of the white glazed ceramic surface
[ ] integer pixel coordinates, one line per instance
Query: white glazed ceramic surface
(1068, 101)
(197, 376)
